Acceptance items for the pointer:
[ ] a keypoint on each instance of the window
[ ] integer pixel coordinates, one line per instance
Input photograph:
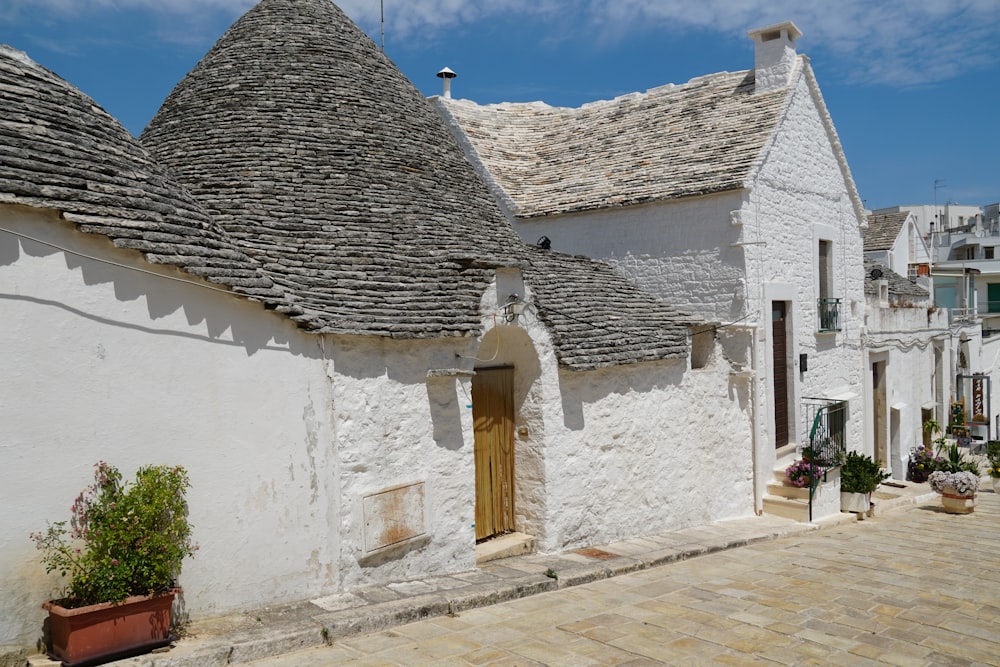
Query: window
(828, 306)
(993, 298)
(825, 269)
(988, 252)
(702, 346)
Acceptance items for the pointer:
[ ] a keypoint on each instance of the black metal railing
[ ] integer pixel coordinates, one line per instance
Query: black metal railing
(827, 424)
(829, 314)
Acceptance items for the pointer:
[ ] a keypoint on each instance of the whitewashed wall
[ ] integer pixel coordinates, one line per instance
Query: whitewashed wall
(395, 427)
(906, 339)
(626, 451)
(283, 432)
(799, 195)
(680, 250)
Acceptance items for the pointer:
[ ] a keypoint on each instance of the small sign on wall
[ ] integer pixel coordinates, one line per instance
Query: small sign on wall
(393, 516)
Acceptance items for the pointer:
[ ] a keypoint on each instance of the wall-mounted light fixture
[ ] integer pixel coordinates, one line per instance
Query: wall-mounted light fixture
(513, 308)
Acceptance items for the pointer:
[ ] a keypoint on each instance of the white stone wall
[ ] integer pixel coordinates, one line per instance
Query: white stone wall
(283, 432)
(626, 451)
(906, 340)
(394, 427)
(800, 195)
(681, 250)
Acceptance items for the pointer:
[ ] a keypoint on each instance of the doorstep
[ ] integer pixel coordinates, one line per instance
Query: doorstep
(504, 546)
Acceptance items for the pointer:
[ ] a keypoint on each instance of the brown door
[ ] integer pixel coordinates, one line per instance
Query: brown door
(779, 350)
(493, 417)
(879, 409)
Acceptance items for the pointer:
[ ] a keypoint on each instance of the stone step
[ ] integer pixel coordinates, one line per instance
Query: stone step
(504, 546)
(796, 509)
(787, 491)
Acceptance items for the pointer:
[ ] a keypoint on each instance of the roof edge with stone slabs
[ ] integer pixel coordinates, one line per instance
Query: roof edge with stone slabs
(59, 150)
(545, 160)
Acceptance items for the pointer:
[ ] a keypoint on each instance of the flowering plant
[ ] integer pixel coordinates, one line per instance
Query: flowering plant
(993, 456)
(122, 539)
(801, 473)
(923, 462)
(964, 483)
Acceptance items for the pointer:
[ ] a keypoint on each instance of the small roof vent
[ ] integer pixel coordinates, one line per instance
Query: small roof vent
(446, 75)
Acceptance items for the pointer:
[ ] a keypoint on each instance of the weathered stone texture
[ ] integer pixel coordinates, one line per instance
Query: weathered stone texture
(326, 165)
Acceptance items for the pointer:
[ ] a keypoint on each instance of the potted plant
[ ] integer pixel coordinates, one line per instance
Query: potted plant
(922, 463)
(859, 477)
(121, 552)
(954, 461)
(958, 490)
(993, 456)
(802, 473)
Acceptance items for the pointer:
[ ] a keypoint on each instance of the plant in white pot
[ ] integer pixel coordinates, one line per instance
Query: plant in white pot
(859, 477)
(122, 552)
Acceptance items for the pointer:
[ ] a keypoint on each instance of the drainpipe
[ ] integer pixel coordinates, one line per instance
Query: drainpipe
(758, 497)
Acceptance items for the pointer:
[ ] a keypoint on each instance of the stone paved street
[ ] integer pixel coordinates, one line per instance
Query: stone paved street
(913, 587)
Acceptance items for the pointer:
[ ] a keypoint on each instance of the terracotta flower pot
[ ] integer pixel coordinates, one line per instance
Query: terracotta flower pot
(104, 632)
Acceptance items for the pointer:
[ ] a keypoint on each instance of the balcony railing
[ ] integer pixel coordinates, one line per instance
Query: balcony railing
(829, 314)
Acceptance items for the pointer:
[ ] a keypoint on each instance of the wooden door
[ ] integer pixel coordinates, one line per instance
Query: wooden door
(493, 418)
(779, 352)
(879, 411)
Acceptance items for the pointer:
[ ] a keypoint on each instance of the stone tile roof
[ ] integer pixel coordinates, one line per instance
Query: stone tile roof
(325, 164)
(698, 138)
(898, 285)
(883, 229)
(59, 150)
(335, 211)
(599, 318)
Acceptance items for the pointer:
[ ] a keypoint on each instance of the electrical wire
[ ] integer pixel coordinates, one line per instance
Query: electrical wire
(112, 263)
(496, 353)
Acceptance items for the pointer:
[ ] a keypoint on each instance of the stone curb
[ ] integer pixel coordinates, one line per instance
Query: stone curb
(303, 626)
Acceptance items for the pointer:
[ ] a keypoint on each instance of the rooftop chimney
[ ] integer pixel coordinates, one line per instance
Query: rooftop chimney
(774, 55)
(446, 76)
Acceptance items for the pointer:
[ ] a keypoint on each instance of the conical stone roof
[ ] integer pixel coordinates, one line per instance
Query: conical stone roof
(323, 163)
(59, 150)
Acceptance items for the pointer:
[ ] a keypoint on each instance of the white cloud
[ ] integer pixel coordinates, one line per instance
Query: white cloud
(901, 42)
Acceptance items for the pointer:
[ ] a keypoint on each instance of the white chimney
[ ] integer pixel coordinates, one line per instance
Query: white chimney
(446, 76)
(774, 55)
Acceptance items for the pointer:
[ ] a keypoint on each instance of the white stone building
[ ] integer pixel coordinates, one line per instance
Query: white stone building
(729, 195)
(317, 308)
(895, 241)
(946, 355)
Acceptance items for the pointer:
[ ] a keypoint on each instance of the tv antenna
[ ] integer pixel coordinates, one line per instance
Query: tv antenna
(381, 6)
(938, 184)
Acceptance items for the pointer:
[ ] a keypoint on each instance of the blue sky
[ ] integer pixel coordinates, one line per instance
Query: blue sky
(913, 85)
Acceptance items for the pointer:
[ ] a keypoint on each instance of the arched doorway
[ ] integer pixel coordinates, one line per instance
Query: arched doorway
(493, 418)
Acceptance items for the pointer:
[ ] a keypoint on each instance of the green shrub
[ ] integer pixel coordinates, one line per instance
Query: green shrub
(860, 474)
(122, 539)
